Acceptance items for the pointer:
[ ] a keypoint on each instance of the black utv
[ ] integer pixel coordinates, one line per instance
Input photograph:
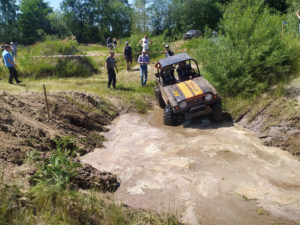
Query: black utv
(182, 92)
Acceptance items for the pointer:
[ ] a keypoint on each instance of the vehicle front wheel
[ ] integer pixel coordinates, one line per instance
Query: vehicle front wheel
(160, 101)
(170, 118)
(216, 114)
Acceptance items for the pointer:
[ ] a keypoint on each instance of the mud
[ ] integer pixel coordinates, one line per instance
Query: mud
(24, 126)
(202, 172)
(277, 123)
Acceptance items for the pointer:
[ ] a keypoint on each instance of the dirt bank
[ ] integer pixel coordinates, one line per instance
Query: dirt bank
(202, 172)
(277, 120)
(24, 126)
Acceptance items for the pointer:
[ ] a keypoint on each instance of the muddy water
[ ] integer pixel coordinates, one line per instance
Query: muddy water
(200, 171)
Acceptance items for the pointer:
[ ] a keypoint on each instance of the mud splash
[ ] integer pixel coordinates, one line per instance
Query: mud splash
(200, 171)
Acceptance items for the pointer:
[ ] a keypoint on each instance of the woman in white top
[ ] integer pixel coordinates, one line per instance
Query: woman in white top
(145, 43)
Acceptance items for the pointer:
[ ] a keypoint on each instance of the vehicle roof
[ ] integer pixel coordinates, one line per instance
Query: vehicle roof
(174, 59)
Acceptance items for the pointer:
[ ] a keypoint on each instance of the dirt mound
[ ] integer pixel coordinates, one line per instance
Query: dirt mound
(277, 122)
(89, 177)
(24, 126)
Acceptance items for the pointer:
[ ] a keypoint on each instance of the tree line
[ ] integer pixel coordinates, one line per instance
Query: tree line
(91, 21)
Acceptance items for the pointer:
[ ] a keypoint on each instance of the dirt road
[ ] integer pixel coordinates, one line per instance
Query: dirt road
(203, 173)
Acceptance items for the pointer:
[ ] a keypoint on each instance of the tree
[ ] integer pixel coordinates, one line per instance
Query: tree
(200, 13)
(140, 17)
(58, 27)
(80, 17)
(33, 21)
(158, 12)
(8, 18)
(93, 20)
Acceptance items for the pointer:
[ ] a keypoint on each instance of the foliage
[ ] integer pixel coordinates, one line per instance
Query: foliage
(251, 54)
(61, 67)
(60, 168)
(51, 201)
(46, 204)
(93, 20)
(58, 27)
(8, 20)
(33, 21)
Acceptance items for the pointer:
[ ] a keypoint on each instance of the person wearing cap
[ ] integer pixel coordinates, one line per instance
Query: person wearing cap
(128, 55)
(145, 43)
(110, 65)
(9, 63)
(13, 50)
(144, 60)
(168, 51)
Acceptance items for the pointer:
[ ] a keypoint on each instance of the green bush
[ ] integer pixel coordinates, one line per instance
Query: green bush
(252, 53)
(31, 66)
(60, 168)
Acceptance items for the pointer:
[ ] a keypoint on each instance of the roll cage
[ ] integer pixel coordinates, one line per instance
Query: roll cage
(167, 66)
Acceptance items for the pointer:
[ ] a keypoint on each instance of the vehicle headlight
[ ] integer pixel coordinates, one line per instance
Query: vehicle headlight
(208, 97)
(182, 105)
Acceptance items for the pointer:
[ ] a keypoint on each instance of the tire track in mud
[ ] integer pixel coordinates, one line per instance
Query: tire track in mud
(200, 171)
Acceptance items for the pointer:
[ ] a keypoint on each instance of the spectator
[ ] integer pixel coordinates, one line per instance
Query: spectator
(14, 50)
(145, 43)
(9, 63)
(298, 15)
(144, 60)
(128, 55)
(110, 65)
(109, 42)
(168, 52)
(115, 42)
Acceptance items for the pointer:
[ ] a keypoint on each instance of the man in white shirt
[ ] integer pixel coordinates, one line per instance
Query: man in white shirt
(145, 43)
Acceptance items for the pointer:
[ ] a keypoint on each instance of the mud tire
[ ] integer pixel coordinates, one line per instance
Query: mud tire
(171, 119)
(160, 101)
(216, 114)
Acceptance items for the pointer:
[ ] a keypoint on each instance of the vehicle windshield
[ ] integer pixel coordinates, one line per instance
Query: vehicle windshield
(191, 32)
(179, 72)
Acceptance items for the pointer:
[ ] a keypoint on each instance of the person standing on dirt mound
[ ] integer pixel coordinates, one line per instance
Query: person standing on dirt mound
(110, 65)
(9, 63)
(144, 60)
(145, 43)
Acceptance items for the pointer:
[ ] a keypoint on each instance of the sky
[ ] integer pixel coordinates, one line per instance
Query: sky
(54, 4)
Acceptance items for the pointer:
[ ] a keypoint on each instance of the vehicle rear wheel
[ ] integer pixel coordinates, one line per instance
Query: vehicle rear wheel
(160, 101)
(216, 114)
(170, 118)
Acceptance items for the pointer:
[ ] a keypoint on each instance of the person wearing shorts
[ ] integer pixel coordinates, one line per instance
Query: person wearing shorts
(128, 55)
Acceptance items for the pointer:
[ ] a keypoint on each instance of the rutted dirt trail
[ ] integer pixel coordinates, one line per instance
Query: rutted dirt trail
(199, 171)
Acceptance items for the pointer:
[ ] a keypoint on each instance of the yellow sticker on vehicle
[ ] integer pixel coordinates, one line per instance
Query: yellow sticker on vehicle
(194, 87)
(185, 90)
(176, 93)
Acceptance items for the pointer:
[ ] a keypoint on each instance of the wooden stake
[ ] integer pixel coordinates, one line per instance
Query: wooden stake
(46, 100)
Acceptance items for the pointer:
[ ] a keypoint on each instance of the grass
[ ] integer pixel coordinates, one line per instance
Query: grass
(53, 198)
(129, 93)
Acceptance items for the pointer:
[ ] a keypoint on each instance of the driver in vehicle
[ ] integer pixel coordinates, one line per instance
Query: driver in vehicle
(185, 71)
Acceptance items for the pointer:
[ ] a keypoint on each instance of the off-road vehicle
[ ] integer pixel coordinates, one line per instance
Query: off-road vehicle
(192, 34)
(188, 96)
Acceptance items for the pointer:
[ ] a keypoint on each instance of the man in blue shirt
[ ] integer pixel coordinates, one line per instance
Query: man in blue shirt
(144, 60)
(9, 63)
